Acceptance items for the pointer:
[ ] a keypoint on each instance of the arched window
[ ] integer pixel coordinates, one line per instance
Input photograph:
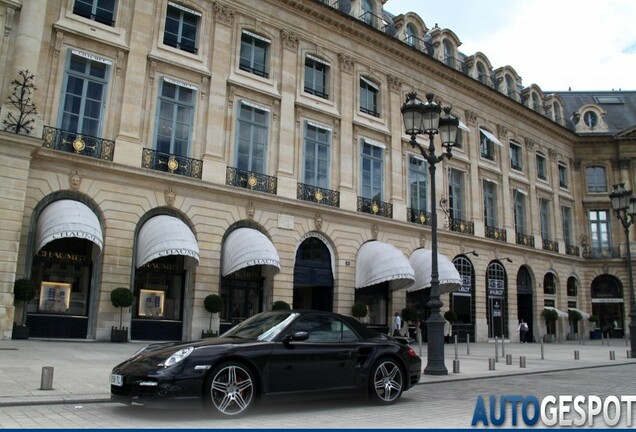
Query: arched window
(572, 288)
(481, 73)
(536, 103)
(510, 87)
(449, 58)
(411, 35)
(549, 284)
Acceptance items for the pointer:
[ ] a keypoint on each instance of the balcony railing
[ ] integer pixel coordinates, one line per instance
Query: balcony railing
(550, 245)
(572, 250)
(375, 207)
(461, 226)
(419, 44)
(174, 164)
(251, 180)
(456, 64)
(377, 22)
(525, 240)
(496, 233)
(418, 216)
(343, 6)
(601, 252)
(72, 142)
(318, 195)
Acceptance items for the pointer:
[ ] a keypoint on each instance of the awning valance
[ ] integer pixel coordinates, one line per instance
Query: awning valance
(559, 312)
(165, 235)
(490, 136)
(378, 262)
(421, 260)
(68, 218)
(246, 247)
(584, 314)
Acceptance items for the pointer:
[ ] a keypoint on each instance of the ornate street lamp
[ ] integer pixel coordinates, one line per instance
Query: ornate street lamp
(426, 118)
(624, 205)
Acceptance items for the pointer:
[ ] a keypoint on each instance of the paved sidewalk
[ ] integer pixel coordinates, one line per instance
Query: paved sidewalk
(81, 368)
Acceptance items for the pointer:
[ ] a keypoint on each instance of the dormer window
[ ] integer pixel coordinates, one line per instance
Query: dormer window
(591, 119)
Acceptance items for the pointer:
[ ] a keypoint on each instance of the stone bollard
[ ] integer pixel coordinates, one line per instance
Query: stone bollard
(522, 361)
(576, 354)
(491, 364)
(542, 358)
(46, 382)
(612, 355)
(508, 359)
(455, 366)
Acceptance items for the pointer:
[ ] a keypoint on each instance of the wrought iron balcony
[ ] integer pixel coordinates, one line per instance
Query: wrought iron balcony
(461, 226)
(456, 64)
(72, 142)
(318, 195)
(601, 252)
(174, 164)
(550, 245)
(418, 216)
(572, 250)
(496, 233)
(525, 240)
(375, 207)
(419, 44)
(251, 180)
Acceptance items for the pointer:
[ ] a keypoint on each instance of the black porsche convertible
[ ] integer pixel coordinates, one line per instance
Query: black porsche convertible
(271, 355)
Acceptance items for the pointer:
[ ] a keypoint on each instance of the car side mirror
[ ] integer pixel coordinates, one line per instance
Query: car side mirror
(295, 337)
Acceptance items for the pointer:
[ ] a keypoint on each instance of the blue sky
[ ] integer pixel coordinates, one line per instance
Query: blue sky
(556, 44)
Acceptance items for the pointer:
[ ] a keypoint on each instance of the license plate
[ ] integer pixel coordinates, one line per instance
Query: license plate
(116, 380)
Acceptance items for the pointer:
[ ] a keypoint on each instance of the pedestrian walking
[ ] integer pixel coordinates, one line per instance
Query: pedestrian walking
(397, 324)
(523, 330)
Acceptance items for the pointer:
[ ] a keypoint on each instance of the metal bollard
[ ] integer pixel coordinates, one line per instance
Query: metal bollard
(46, 382)
(576, 354)
(456, 348)
(508, 359)
(491, 364)
(522, 361)
(612, 355)
(497, 349)
(455, 366)
(542, 358)
(468, 344)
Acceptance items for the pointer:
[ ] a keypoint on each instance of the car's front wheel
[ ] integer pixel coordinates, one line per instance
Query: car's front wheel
(231, 389)
(386, 381)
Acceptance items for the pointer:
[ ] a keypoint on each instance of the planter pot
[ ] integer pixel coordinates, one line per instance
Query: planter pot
(119, 335)
(20, 332)
(549, 338)
(208, 334)
(595, 334)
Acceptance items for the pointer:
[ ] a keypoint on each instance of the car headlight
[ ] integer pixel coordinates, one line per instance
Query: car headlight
(177, 357)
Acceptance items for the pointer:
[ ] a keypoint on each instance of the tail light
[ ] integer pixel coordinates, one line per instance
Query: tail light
(411, 352)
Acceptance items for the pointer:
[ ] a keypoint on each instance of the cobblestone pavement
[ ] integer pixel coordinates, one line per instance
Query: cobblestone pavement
(432, 405)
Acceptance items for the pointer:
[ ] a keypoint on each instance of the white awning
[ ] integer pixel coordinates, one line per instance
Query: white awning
(491, 137)
(463, 126)
(421, 260)
(246, 247)
(559, 312)
(584, 314)
(378, 262)
(68, 218)
(165, 235)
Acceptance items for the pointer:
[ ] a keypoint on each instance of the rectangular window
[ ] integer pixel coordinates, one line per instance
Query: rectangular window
(516, 161)
(254, 54)
(541, 167)
(83, 98)
(181, 28)
(418, 183)
(596, 179)
(566, 214)
(456, 194)
(369, 97)
(372, 171)
(599, 232)
(316, 73)
(175, 115)
(252, 135)
(490, 203)
(101, 11)
(520, 212)
(317, 155)
(563, 176)
(544, 210)
(486, 144)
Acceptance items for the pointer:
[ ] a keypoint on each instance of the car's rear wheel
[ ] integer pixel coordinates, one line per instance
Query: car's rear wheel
(231, 389)
(386, 381)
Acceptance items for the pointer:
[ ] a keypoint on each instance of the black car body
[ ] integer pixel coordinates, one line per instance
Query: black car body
(270, 355)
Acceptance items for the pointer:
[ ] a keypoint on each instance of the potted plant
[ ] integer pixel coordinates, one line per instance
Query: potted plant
(359, 311)
(213, 304)
(550, 316)
(120, 297)
(24, 290)
(280, 305)
(596, 332)
(574, 317)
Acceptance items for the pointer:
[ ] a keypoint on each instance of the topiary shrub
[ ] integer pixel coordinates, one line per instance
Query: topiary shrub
(574, 316)
(450, 316)
(121, 297)
(24, 290)
(213, 304)
(280, 305)
(410, 314)
(359, 310)
(550, 315)
(594, 319)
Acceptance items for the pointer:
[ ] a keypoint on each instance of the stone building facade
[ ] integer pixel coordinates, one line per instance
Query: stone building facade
(255, 149)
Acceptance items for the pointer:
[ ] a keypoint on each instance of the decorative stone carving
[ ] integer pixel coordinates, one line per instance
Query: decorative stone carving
(250, 210)
(169, 196)
(471, 117)
(553, 154)
(502, 131)
(374, 232)
(74, 180)
(224, 14)
(318, 222)
(530, 143)
(290, 40)
(346, 63)
(395, 84)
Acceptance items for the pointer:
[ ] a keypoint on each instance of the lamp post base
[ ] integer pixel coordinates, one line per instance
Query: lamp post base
(435, 345)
